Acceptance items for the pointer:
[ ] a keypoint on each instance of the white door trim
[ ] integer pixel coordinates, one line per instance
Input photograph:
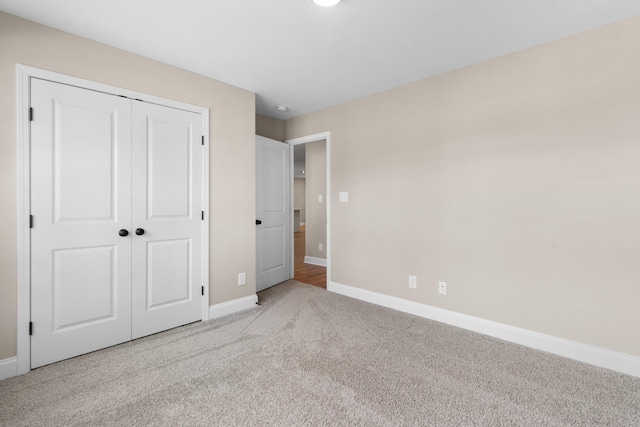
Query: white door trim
(303, 140)
(23, 76)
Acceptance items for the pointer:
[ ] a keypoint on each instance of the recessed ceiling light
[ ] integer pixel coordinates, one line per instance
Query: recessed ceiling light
(282, 108)
(326, 2)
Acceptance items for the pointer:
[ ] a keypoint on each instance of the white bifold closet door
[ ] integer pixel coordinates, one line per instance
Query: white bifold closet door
(116, 200)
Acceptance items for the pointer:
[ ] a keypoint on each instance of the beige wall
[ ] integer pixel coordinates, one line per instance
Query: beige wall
(516, 181)
(316, 185)
(232, 139)
(270, 127)
(299, 195)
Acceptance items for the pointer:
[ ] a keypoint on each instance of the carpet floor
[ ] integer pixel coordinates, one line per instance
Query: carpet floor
(310, 357)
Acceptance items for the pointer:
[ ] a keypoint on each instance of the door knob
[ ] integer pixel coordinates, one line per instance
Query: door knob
(123, 233)
(258, 222)
(140, 231)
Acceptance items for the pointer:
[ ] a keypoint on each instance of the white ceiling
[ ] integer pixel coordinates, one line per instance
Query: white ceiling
(307, 57)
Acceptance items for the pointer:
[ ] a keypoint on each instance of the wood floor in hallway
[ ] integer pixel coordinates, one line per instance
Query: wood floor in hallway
(306, 273)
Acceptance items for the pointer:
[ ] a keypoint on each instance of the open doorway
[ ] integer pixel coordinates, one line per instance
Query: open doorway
(309, 213)
(310, 206)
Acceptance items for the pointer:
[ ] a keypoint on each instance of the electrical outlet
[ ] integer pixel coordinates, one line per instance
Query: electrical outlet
(319, 198)
(320, 247)
(413, 282)
(442, 288)
(242, 279)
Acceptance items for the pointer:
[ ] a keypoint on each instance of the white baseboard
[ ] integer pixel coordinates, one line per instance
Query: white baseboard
(234, 306)
(597, 356)
(8, 368)
(322, 262)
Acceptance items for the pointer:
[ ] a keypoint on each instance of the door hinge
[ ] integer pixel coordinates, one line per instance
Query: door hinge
(30, 328)
(203, 215)
(31, 114)
(202, 139)
(30, 221)
(203, 291)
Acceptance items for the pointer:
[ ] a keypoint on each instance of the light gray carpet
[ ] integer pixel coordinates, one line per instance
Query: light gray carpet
(310, 357)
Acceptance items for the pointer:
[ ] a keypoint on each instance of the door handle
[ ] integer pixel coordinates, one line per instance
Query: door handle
(123, 233)
(258, 222)
(140, 231)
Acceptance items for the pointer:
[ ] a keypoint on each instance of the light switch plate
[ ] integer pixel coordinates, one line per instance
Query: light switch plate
(320, 198)
(344, 197)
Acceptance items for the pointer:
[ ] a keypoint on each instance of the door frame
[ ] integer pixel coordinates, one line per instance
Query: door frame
(326, 136)
(23, 78)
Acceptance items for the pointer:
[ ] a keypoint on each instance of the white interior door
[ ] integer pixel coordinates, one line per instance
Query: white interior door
(273, 223)
(81, 198)
(167, 208)
(102, 167)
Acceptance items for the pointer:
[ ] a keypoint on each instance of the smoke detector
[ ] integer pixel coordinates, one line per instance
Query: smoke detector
(326, 3)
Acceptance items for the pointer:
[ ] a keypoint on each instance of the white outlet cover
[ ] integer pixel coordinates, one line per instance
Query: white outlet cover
(413, 282)
(320, 246)
(442, 288)
(344, 196)
(242, 279)
(319, 198)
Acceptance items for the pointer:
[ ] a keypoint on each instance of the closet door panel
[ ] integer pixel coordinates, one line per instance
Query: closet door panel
(167, 205)
(80, 200)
